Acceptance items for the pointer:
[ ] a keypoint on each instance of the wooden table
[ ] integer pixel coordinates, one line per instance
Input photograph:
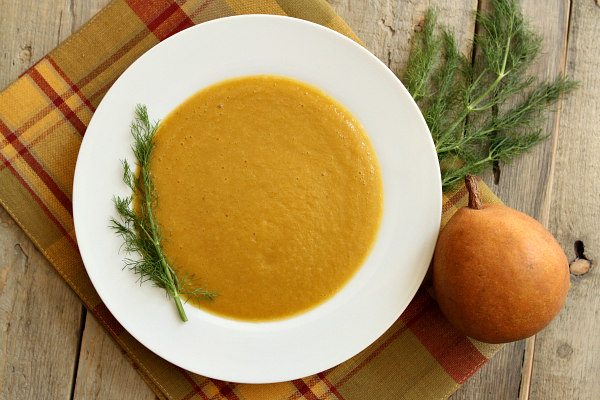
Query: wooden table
(50, 348)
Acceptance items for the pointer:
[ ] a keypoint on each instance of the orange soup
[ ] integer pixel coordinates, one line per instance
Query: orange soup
(269, 194)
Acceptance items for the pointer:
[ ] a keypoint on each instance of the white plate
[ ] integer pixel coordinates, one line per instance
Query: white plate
(343, 326)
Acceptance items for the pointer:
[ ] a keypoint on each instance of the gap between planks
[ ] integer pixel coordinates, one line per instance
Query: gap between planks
(82, 322)
(527, 369)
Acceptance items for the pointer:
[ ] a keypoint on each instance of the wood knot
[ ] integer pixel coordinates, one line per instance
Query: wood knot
(387, 27)
(581, 265)
(420, 24)
(564, 350)
(25, 54)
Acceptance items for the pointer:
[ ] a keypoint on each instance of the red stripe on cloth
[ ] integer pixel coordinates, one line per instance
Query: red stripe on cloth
(39, 201)
(225, 389)
(332, 389)
(183, 24)
(71, 84)
(170, 18)
(113, 59)
(194, 14)
(196, 389)
(36, 167)
(304, 390)
(97, 96)
(414, 311)
(191, 394)
(454, 199)
(417, 306)
(41, 136)
(117, 55)
(57, 100)
(451, 349)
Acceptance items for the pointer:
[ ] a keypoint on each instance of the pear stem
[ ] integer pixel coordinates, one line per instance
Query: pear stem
(474, 199)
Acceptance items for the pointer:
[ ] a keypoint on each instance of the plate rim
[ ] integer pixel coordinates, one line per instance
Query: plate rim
(416, 113)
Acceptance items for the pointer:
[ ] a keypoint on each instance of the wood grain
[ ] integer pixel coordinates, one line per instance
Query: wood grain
(28, 30)
(39, 315)
(526, 183)
(387, 26)
(518, 190)
(104, 372)
(39, 321)
(567, 354)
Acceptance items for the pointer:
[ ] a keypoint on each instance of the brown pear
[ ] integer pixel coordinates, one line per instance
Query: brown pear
(498, 274)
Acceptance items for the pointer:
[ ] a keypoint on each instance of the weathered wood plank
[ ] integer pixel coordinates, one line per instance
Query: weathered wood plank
(567, 354)
(39, 315)
(389, 39)
(386, 26)
(28, 30)
(104, 372)
(39, 321)
(525, 184)
(83, 10)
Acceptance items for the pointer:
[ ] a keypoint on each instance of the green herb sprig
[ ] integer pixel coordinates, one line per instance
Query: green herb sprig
(486, 111)
(138, 226)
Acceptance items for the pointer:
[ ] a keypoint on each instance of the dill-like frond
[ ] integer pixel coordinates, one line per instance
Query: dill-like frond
(423, 57)
(137, 226)
(472, 108)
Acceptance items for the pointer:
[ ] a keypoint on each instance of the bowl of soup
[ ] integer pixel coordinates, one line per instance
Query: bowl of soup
(295, 178)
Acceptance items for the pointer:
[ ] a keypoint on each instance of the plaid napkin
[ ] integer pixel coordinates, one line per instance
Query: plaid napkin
(43, 116)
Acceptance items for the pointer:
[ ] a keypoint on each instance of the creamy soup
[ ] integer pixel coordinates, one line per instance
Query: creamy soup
(269, 194)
